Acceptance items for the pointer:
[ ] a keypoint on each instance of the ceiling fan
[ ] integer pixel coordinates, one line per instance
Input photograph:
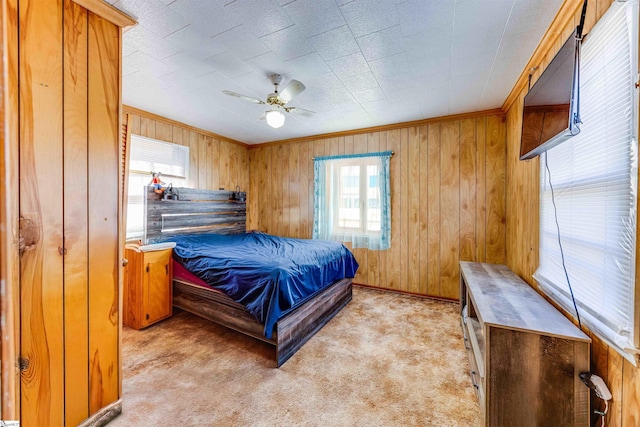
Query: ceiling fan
(274, 117)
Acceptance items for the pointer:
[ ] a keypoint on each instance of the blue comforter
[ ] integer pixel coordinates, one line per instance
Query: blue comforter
(269, 275)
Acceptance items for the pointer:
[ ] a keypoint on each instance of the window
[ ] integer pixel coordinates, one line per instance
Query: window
(357, 178)
(352, 201)
(147, 156)
(593, 180)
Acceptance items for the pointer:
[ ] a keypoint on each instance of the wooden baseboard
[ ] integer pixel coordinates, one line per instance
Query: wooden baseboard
(413, 294)
(104, 415)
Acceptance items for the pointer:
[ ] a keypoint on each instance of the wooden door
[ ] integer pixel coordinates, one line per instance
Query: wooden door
(157, 286)
(132, 292)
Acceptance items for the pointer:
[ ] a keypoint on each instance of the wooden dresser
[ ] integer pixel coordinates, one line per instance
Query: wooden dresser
(525, 356)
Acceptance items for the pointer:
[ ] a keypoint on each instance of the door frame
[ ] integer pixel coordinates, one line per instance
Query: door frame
(9, 215)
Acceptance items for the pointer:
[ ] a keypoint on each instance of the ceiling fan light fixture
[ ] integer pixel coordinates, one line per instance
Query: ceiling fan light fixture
(275, 118)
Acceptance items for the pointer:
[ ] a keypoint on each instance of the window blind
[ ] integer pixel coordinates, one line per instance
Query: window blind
(147, 156)
(594, 179)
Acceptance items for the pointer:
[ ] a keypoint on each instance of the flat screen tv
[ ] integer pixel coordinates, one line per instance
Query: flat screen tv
(551, 108)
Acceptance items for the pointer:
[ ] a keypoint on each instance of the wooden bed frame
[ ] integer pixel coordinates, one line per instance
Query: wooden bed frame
(222, 212)
(290, 332)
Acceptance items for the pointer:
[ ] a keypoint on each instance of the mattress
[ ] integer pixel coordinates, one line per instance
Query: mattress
(268, 275)
(182, 274)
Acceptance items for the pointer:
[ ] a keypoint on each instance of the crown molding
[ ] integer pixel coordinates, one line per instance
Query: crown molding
(143, 113)
(492, 112)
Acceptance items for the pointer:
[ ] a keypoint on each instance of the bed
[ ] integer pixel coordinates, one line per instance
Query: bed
(199, 217)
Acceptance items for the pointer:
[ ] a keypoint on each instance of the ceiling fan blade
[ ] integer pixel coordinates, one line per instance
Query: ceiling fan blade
(290, 91)
(301, 111)
(263, 116)
(246, 98)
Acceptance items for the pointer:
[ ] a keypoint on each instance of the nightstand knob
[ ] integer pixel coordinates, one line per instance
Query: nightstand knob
(125, 262)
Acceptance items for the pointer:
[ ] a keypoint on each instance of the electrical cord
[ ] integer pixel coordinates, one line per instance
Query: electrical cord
(564, 266)
(603, 413)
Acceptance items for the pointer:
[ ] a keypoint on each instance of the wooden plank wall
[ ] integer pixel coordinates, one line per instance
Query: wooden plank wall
(103, 161)
(622, 377)
(76, 319)
(216, 162)
(69, 80)
(448, 198)
(41, 213)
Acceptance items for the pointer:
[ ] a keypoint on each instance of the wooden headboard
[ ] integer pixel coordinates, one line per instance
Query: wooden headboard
(194, 211)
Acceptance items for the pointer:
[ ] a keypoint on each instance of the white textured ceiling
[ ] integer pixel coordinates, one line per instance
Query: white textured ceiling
(364, 62)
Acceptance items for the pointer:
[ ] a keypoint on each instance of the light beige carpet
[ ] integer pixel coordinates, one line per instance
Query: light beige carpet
(385, 360)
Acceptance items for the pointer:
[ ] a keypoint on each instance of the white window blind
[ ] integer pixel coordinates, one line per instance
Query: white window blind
(147, 156)
(594, 180)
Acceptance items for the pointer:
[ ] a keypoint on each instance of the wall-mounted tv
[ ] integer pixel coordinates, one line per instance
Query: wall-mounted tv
(551, 110)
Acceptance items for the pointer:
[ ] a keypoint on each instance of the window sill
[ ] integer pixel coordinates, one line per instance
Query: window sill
(590, 323)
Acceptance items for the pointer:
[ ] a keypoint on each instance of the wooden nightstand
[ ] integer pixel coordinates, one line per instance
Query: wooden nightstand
(148, 287)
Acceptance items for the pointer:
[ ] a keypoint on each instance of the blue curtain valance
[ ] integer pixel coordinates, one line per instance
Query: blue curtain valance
(354, 156)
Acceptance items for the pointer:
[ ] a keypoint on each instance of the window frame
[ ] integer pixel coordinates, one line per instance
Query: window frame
(136, 175)
(324, 200)
(362, 163)
(601, 326)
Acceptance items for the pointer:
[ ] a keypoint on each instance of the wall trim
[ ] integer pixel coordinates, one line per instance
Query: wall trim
(565, 14)
(408, 293)
(108, 12)
(133, 110)
(104, 415)
(492, 112)
(10, 384)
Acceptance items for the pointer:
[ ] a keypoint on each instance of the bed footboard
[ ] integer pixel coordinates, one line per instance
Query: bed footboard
(218, 308)
(291, 332)
(297, 327)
